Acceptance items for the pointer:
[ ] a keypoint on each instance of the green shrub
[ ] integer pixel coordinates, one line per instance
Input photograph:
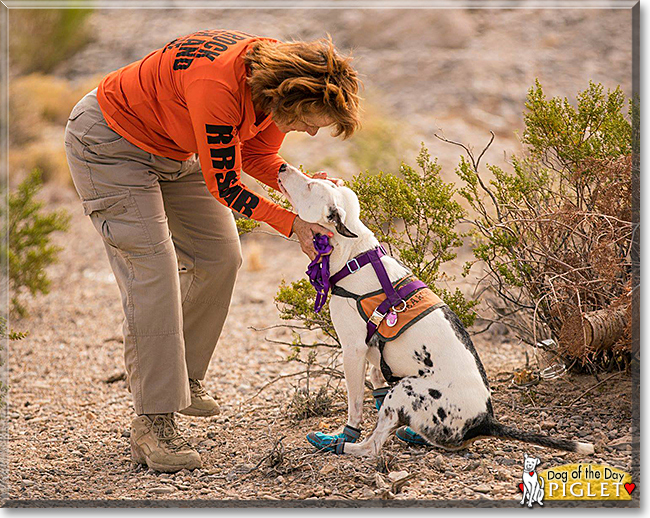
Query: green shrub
(554, 233)
(39, 39)
(27, 248)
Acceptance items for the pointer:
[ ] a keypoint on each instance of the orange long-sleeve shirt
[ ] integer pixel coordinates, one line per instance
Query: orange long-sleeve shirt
(192, 97)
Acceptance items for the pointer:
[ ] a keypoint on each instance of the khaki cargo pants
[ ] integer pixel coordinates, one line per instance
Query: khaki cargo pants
(172, 246)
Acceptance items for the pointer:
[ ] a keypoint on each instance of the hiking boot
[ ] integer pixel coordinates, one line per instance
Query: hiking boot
(203, 405)
(157, 442)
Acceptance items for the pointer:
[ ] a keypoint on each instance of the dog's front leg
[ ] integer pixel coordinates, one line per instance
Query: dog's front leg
(523, 498)
(354, 367)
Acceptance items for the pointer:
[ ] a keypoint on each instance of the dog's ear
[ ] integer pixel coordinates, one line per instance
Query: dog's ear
(336, 216)
(537, 462)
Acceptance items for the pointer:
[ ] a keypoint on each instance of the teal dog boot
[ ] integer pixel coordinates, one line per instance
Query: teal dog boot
(404, 433)
(334, 443)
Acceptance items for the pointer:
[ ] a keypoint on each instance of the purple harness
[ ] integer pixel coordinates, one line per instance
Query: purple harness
(319, 276)
(318, 270)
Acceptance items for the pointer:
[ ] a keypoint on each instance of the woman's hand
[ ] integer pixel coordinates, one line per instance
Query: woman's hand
(322, 175)
(305, 233)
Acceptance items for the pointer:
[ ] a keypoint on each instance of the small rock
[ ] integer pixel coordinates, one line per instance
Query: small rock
(621, 444)
(161, 490)
(548, 425)
(379, 481)
(90, 416)
(483, 488)
(367, 493)
(327, 469)
(26, 483)
(394, 476)
(126, 434)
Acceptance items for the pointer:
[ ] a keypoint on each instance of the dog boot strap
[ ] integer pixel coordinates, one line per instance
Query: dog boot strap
(351, 434)
(379, 395)
(339, 445)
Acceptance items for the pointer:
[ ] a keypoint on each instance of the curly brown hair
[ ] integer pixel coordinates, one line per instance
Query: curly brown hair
(297, 79)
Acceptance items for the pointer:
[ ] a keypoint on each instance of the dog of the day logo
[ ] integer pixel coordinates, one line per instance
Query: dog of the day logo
(573, 482)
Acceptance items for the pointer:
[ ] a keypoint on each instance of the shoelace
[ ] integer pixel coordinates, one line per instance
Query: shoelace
(167, 431)
(197, 389)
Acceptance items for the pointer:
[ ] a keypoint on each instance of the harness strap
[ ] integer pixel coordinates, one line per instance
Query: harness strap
(392, 296)
(355, 264)
(342, 292)
(386, 371)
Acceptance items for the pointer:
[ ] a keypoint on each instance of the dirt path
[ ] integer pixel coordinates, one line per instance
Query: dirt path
(68, 427)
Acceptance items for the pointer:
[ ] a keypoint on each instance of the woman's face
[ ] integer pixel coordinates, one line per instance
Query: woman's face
(308, 124)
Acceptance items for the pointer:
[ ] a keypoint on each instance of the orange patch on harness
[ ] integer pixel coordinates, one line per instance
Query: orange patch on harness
(416, 307)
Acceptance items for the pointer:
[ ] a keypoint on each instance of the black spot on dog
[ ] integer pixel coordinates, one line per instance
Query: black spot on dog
(435, 394)
(463, 336)
(423, 357)
(446, 431)
(442, 414)
(403, 417)
(421, 372)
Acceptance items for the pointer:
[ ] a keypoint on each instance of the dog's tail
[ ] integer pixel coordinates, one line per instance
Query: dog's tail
(496, 429)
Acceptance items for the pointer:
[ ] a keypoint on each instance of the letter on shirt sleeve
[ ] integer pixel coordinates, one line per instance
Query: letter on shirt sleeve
(215, 116)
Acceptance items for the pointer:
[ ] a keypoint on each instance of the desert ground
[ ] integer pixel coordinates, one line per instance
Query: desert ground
(462, 73)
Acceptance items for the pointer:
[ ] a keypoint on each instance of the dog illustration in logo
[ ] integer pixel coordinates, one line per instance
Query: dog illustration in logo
(533, 486)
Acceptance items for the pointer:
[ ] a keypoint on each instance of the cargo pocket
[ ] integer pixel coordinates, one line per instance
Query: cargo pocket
(117, 219)
(76, 111)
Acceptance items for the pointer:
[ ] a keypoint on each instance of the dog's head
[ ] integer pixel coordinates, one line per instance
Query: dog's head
(320, 201)
(530, 463)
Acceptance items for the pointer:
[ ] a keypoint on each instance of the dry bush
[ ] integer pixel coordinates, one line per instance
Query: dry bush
(555, 235)
(36, 100)
(46, 156)
(39, 39)
(39, 106)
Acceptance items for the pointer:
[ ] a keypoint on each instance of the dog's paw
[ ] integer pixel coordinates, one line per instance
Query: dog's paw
(333, 443)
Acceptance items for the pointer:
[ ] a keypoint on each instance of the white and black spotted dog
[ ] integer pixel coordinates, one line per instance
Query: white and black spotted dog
(443, 393)
(533, 483)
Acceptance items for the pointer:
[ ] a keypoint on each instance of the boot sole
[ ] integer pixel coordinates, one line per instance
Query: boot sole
(139, 457)
(199, 413)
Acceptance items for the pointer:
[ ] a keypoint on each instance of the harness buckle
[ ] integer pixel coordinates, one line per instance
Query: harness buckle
(376, 317)
(350, 262)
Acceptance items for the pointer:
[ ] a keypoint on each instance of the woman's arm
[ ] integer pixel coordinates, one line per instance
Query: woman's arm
(215, 114)
(260, 157)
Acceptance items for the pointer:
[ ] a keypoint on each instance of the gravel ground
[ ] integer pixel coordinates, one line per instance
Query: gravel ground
(464, 72)
(68, 427)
